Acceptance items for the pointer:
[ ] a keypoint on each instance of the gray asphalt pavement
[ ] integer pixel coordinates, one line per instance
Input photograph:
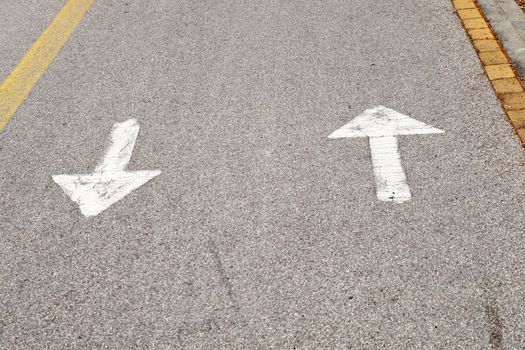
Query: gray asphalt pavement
(260, 233)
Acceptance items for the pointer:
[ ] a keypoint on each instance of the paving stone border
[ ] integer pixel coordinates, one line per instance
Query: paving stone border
(508, 21)
(507, 16)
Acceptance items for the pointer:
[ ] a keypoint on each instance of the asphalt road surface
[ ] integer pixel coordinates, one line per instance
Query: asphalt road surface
(260, 232)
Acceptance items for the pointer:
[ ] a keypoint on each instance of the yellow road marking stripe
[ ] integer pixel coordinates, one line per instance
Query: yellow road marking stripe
(17, 86)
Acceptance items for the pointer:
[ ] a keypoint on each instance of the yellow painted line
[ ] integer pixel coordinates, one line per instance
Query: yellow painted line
(499, 69)
(17, 86)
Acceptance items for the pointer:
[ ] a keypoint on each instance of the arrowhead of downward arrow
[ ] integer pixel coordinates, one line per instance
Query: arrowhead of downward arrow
(382, 121)
(95, 193)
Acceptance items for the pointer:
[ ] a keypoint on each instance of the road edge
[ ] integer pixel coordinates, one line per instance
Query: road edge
(495, 57)
(508, 21)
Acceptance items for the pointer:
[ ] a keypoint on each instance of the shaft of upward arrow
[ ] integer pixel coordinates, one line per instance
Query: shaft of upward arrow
(391, 182)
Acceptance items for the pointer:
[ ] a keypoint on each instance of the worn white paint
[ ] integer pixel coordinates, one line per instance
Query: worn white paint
(111, 181)
(391, 182)
(381, 125)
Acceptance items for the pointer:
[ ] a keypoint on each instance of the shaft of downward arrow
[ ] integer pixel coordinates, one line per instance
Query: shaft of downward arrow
(118, 155)
(391, 182)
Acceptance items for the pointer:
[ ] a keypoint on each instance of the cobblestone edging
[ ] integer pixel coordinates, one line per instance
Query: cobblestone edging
(507, 16)
(508, 21)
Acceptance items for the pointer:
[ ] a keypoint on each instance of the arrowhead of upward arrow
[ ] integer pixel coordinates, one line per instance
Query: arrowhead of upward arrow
(381, 121)
(110, 182)
(381, 125)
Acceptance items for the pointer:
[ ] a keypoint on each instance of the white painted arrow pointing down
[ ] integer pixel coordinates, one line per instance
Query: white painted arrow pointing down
(110, 182)
(381, 125)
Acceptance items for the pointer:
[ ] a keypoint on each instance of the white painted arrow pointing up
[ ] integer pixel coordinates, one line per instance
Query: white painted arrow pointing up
(381, 125)
(110, 182)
